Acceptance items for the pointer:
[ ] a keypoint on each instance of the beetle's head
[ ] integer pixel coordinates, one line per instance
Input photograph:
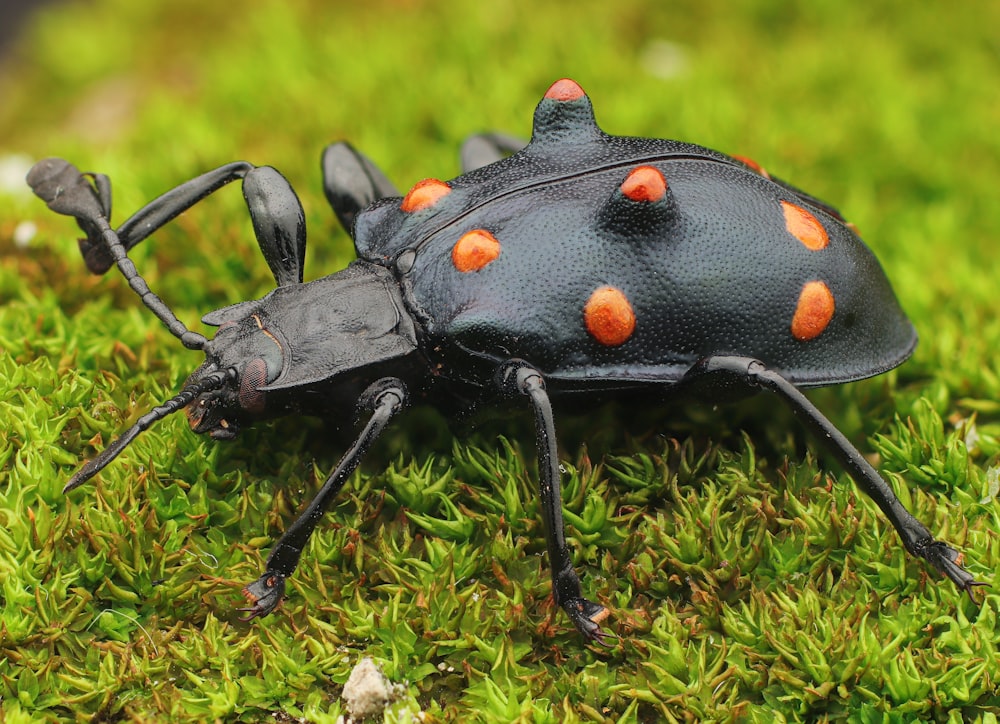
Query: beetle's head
(225, 391)
(339, 324)
(250, 356)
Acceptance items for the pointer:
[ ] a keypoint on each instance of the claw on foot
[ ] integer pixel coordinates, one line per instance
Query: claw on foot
(949, 562)
(264, 595)
(64, 189)
(587, 617)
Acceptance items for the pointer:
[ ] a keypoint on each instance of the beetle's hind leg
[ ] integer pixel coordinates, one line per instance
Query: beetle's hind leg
(486, 148)
(519, 377)
(717, 374)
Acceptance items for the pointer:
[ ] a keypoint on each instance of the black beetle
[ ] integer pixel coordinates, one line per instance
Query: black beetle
(582, 262)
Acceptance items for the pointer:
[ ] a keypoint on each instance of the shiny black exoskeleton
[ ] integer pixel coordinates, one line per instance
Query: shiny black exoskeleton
(582, 261)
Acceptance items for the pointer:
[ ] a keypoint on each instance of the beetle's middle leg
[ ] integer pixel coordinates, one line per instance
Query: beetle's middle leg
(519, 377)
(386, 398)
(352, 181)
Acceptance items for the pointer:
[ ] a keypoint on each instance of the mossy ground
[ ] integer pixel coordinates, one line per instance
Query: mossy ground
(749, 581)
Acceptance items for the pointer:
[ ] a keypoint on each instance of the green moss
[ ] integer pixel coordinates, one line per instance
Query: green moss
(748, 580)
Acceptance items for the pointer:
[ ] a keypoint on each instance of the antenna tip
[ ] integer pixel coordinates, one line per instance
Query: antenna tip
(89, 470)
(81, 476)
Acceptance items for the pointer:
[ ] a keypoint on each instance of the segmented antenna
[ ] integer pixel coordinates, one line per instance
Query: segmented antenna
(191, 340)
(211, 381)
(66, 191)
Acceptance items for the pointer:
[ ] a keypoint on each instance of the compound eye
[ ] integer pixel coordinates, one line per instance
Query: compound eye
(254, 377)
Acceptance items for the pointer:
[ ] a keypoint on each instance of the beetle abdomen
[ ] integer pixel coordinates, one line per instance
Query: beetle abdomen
(599, 290)
(628, 259)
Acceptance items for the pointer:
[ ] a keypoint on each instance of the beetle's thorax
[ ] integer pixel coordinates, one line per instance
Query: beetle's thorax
(621, 261)
(326, 332)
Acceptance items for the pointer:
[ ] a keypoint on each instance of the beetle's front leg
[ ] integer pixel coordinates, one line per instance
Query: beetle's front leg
(385, 398)
(519, 377)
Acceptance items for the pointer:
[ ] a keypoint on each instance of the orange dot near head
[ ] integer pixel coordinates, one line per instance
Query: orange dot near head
(609, 317)
(474, 250)
(753, 166)
(813, 311)
(805, 227)
(424, 194)
(645, 183)
(564, 90)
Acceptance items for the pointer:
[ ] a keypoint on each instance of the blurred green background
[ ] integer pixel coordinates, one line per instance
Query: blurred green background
(746, 584)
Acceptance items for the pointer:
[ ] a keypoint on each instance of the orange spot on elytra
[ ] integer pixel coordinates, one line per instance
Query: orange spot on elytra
(474, 250)
(645, 183)
(608, 316)
(805, 227)
(753, 166)
(564, 90)
(423, 194)
(813, 311)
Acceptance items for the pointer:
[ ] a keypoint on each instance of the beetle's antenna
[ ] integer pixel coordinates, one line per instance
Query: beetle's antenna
(66, 191)
(211, 381)
(191, 340)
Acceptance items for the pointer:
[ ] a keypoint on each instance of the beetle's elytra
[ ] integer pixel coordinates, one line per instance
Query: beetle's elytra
(582, 261)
